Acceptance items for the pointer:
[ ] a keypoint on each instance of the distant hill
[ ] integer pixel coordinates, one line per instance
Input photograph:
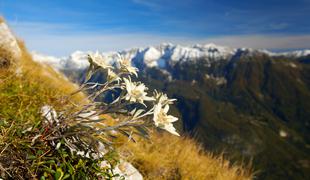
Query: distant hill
(251, 104)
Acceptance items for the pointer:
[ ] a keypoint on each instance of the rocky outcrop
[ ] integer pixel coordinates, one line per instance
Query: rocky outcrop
(8, 40)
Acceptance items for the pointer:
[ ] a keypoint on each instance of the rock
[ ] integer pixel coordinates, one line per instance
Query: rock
(4, 62)
(126, 170)
(49, 114)
(8, 43)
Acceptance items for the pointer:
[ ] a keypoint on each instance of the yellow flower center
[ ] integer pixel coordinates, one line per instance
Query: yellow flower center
(161, 117)
(136, 93)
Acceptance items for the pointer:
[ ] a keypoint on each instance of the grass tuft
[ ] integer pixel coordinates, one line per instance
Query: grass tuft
(170, 157)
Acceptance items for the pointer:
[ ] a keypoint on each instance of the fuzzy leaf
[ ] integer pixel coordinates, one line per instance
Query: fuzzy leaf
(89, 73)
(138, 112)
(127, 135)
(142, 131)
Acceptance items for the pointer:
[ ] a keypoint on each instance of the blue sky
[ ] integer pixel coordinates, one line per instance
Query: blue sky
(59, 27)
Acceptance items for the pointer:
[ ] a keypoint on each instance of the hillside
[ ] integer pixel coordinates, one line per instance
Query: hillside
(26, 86)
(252, 104)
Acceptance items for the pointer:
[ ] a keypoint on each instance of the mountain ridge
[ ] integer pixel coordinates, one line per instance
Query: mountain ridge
(27, 86)
(251, 103)
(163, 54)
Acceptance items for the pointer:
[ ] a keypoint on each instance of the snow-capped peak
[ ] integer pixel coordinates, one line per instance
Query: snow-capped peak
(299, 53)
(151, 56)
(77, 60)
(294, 54)
(157, 55)
(161, 55)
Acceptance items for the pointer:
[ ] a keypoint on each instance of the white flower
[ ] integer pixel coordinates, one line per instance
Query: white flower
(98, 60)
(170, 128)
(112, 76)
(125, 65)
(162, 98)
(163, 120)
(136, 92)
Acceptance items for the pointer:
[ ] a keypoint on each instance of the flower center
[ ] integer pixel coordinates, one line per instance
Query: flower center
(136, 93)
(162, 117)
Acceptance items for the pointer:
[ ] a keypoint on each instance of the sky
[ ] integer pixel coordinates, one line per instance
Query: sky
(59, 27)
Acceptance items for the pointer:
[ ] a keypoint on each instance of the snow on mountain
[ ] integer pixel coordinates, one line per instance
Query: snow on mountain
(153, 56)
(294, 54)
(159, 56)
(299, 53)
(77, 60)
(50, 60)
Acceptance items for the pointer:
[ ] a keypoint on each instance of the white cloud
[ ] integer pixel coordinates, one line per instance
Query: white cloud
(265, 41)
(61, 39)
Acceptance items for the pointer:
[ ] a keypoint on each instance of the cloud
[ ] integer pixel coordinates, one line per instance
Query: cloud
(265, 41)
(63, 39)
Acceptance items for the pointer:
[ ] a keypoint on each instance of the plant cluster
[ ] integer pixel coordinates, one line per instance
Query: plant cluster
(123, 97)
(74, 141)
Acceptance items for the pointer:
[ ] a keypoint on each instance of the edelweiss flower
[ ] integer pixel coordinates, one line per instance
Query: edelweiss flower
(98, 60)
(162, 98)
(163, 120)
(112, 76)
(136, 92)
(125, 65)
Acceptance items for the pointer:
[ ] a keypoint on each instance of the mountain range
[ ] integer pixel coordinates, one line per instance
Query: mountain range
(162, 55)
(253, 105)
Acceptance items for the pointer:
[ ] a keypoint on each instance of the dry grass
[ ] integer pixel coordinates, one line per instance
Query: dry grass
(25, 86)
(47, 76)
(26, 73)
(164, 157)
(170, 157)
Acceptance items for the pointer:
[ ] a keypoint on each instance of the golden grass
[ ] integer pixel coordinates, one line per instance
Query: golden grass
(47, 76)
(171, 157)
(22, 96)
(164, 157)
